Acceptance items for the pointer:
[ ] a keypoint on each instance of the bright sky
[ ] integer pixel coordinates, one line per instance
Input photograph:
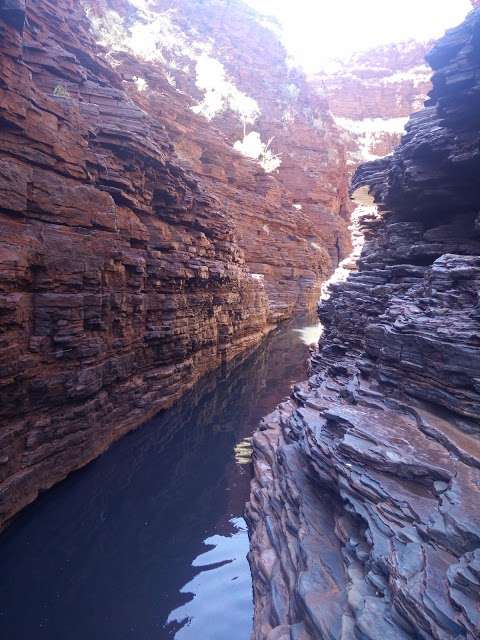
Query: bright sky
(318, 30)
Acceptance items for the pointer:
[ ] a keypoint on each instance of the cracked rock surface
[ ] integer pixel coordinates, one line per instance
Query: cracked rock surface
(364, 509)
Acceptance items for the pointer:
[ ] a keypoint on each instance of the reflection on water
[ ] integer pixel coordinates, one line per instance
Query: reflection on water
(224, 570)
(148, 541)
(243, 451)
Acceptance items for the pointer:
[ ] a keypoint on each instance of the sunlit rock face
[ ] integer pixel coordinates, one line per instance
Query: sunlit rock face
(372, 95)
(247, 124)
(364, 507)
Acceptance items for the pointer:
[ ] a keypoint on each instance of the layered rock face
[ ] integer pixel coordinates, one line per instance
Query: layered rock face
(218, 80)
(364, 507)
(123, 276)
(120, 277)
(372, 94)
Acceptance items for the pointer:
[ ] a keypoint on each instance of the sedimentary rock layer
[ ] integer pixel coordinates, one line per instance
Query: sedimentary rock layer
(372, 94)
(123, 275)
(364, 507)
(132, 252)
(384, 82)
(219, 83)
(121, 281)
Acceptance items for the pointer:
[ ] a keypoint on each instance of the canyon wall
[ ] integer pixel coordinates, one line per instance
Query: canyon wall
(364, 507)
(138, 248)
(190, 58)
(372, 94)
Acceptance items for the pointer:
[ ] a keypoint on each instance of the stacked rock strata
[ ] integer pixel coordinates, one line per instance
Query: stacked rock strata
(134, 232)
(372, 94)
(121, 280)
(219, 83)
(133, 251)
(364, 507)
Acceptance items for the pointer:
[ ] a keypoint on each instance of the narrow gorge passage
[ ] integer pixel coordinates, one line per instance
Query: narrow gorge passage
(149, 540)
(186, 453)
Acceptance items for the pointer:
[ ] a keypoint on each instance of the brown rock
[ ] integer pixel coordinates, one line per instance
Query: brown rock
(372, 94)
(134, 237)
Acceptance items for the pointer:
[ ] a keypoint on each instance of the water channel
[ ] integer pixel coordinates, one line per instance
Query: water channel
(148, 541)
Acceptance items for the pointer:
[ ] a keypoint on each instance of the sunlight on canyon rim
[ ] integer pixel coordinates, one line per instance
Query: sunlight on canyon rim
(317, 33)
(309, 33)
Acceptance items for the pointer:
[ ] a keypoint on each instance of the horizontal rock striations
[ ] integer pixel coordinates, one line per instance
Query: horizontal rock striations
(130, 236)
(387, 81)
(372, 94)
(248, 126)
(364, 506)
(121, 281)
(132, 256)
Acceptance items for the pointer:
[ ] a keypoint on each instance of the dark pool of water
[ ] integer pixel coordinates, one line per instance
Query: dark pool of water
(149, 541)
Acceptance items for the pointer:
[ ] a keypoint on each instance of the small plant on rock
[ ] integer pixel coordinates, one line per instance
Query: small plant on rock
(61, 91)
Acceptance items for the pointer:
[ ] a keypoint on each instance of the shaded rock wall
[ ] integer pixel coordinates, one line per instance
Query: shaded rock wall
(121, 279)
(138, 248)
(364, 507)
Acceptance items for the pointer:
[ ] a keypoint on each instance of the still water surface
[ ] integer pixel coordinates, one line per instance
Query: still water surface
(148, 541)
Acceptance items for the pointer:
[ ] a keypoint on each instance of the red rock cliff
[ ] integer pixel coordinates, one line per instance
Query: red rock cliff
(231, 70)
(138, 248)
